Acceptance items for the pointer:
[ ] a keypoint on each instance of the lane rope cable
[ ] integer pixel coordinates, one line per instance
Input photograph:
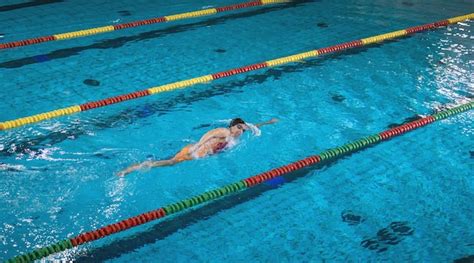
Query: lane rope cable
(208, 78)
(110, 28)
(229, 189)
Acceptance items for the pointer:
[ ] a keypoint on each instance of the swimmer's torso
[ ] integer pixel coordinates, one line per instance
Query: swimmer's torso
(212, 142)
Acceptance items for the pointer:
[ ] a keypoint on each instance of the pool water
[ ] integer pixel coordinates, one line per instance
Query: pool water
(408, 199)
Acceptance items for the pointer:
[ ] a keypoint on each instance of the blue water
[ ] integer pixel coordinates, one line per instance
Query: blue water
(408, 199)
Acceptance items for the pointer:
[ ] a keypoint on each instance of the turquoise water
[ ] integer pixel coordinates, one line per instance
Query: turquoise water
(408, 199)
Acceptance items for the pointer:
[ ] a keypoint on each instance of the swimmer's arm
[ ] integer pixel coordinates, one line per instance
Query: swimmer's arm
(204, 148)
(271, 121)
(212, 135)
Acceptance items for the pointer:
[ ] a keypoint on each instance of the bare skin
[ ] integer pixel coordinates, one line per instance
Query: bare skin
(210, 143)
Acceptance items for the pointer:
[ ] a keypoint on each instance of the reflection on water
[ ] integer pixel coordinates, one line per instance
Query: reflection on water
(454, 78)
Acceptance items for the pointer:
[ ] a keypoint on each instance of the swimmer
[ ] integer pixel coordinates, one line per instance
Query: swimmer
(214, 141)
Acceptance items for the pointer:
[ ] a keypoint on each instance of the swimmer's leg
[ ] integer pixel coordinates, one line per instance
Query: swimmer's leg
(183, 155)
(147, 164)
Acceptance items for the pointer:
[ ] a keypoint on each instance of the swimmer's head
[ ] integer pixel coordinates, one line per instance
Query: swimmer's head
(237, 126)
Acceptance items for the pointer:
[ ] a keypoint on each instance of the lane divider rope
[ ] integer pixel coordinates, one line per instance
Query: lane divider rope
(110, 28)
(238, 186)
(208, 78)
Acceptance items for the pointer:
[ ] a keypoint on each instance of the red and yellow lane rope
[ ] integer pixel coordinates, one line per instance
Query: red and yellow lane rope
(105, 29)
(235, 187)
(207, 78)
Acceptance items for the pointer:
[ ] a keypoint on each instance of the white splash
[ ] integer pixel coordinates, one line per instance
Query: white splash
(255, 130)
(4, 167)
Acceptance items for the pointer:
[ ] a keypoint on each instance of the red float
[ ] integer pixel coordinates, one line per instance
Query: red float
(238, 70)
(238, 6)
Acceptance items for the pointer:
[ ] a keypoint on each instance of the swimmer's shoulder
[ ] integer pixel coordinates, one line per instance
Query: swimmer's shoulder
(219, 132)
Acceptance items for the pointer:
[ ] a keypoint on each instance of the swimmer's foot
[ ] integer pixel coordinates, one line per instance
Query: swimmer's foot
(147, 165)
(125, 172)
(133, 168)
(121, 174)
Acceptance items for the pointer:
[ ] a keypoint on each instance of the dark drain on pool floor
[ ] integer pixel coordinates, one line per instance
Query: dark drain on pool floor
(467, 259)
(125, 13)
(351, 218)
(388, 236)
(338, 98)
(322, 24)
(91, 82)
(409, 119)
